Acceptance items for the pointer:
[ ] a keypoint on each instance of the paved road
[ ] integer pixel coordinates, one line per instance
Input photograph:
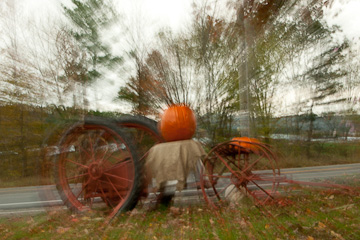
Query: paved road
(31, 200)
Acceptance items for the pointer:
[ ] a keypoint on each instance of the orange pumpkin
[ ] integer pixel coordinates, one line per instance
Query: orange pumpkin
(249, 146)
(178, 123)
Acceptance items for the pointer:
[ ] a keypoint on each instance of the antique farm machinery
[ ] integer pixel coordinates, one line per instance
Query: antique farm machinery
(100, 165)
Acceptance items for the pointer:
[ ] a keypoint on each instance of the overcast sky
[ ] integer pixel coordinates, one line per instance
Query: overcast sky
(175, 13)
(345, 14)
(154, 14)
(172, 13)
(147, 15)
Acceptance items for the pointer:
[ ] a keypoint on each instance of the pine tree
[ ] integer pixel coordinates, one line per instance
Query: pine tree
(90, 18)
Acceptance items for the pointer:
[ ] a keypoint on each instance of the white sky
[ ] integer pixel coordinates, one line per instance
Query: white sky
(166, 12)
(150, 15)
(345, 14)
(172, 13)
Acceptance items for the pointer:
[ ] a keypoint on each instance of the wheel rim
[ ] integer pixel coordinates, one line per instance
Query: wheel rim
(232, 172)
(95, 168)
(143, 136)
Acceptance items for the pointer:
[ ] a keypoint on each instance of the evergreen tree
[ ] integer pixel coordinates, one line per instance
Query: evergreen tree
(90, 19)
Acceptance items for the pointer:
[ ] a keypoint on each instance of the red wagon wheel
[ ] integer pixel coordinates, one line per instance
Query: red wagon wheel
(98, 169)
(235, 169)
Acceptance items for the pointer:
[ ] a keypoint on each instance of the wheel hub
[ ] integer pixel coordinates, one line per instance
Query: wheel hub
(95, 171)
(239, 179)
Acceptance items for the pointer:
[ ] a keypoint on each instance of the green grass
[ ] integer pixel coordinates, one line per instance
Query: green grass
(304, 213)
(302, 154)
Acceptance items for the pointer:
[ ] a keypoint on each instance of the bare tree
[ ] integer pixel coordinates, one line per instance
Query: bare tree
(19, 80)
(142, 90)
(72, 61)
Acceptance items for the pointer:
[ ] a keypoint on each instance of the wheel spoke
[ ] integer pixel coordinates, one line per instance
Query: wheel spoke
(227, 165)
(84, 151)
(118, 177)
(119, 164)
(98, 139)
(144, 156)
(102, 190)
(112, 185)
(217, 176)
(250, 192)
(257, 177)
(96, 188)
(224, 189)
(77, 176)
(233, 163)
(142, 133)
(76, 163)
(83, 188)
(253, 164)
(107, 142)
(262, 189)
(117, 159)
(101, 157)
(91, 146)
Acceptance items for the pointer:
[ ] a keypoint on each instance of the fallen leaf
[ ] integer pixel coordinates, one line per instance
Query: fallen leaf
(267, 226)
(345, 207)
(31, 220)
(134, 212)
(243, 223)
(320, 226)
(62, 230)
(174, 222)
(329, 197)
(310, 238)
(211, 221)
(251, 236)
(309, 212)
(336, 235)
(215, 235)
(175, 210)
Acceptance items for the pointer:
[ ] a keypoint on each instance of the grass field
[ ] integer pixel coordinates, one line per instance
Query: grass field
(304, 154)
(304, 213)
